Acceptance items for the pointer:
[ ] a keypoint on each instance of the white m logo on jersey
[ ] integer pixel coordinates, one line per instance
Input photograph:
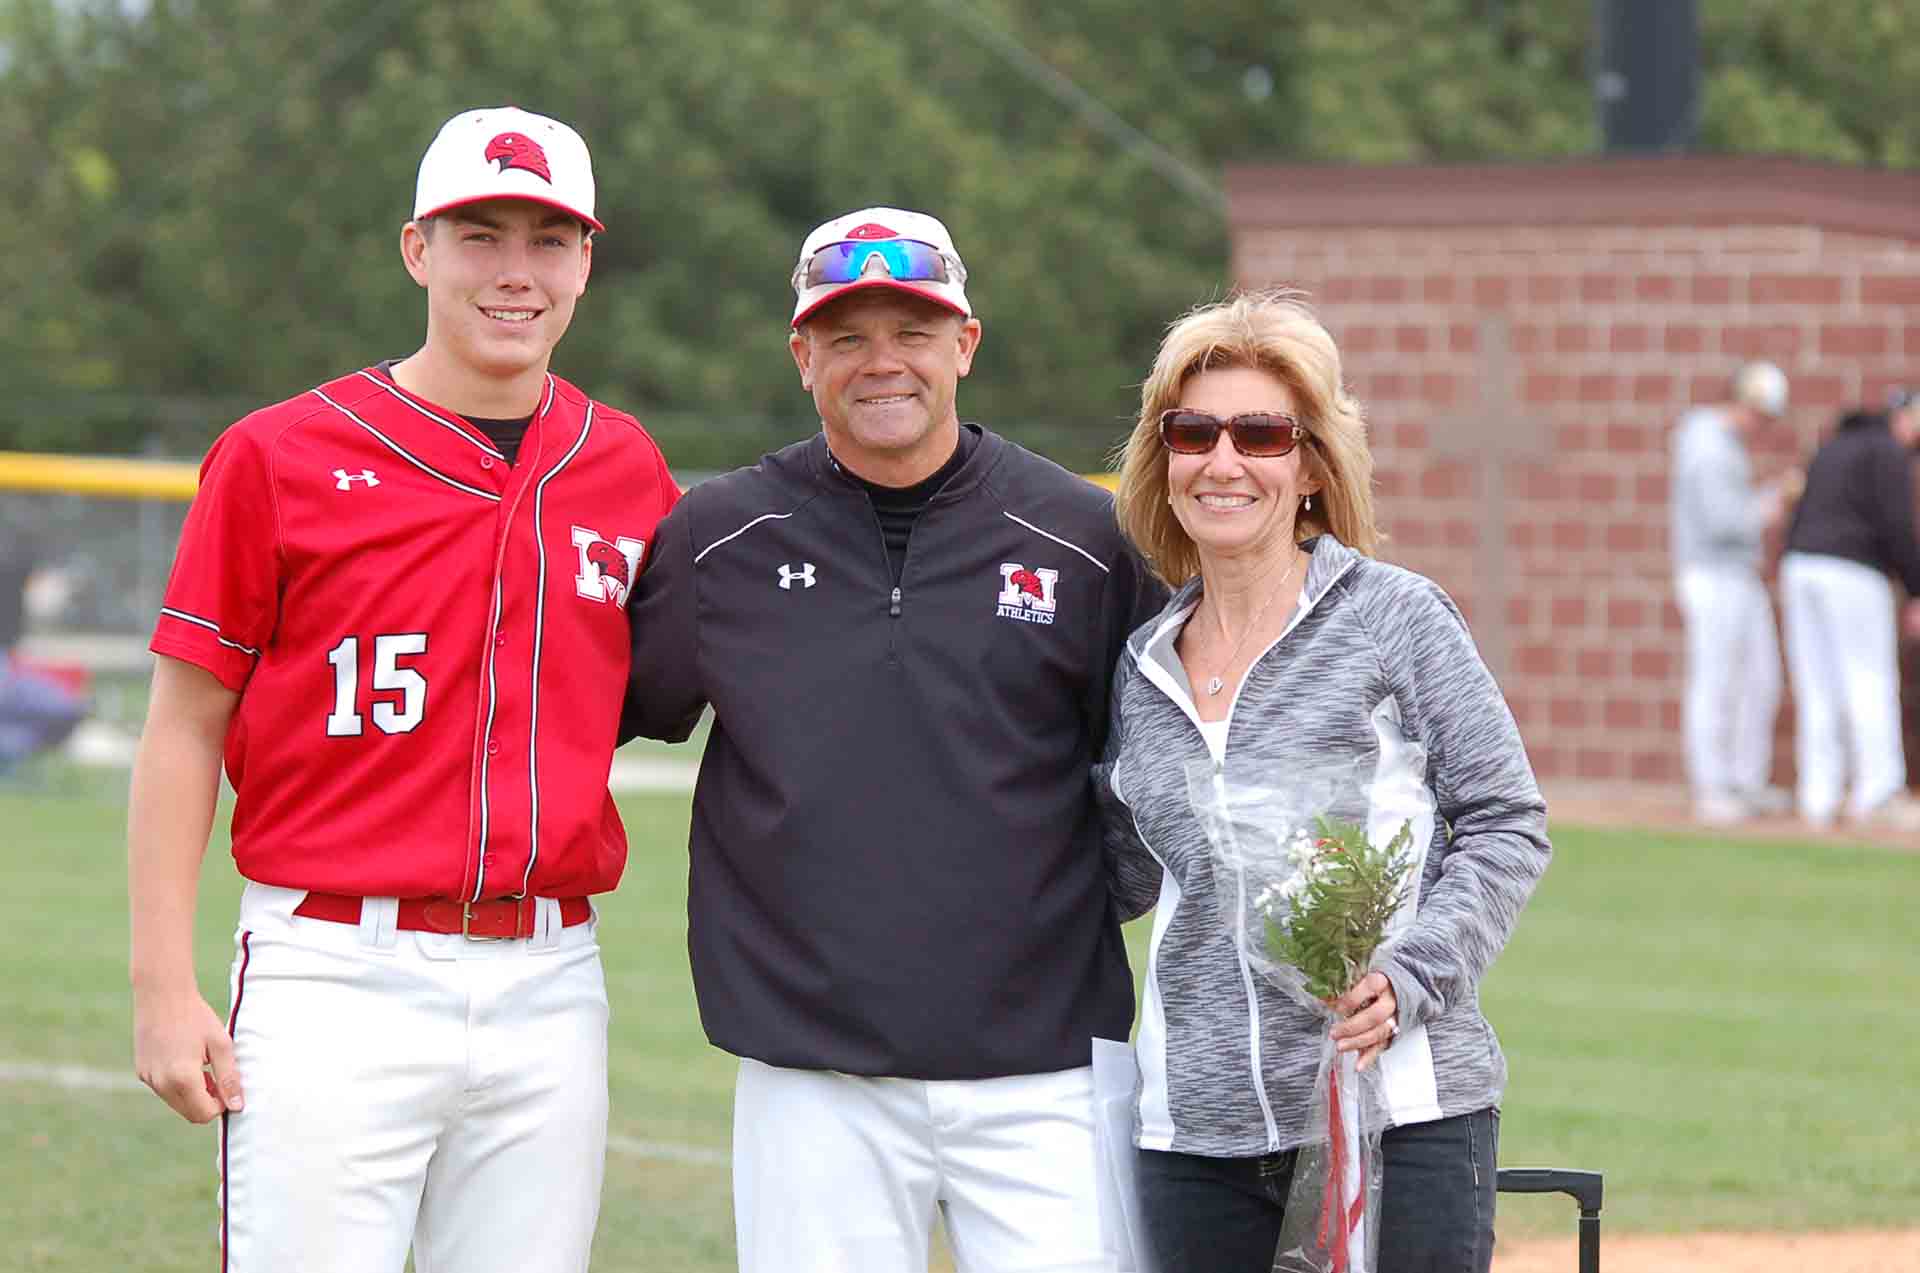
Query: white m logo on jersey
(607, 569)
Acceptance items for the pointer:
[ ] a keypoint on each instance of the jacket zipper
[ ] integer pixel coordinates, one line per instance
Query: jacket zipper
(886, 559)
(1220, 792)
(1246, 979)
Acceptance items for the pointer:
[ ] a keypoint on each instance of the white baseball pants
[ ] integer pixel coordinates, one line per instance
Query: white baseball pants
(1843, 650)
(1733, 679)
(835, 1174)
(412, 1090)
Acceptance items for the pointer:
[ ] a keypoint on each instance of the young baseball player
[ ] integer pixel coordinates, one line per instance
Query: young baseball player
(397, 613)
(906, 628)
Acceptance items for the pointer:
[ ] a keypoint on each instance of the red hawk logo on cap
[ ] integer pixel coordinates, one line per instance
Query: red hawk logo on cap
(872, 230)
(517, 150)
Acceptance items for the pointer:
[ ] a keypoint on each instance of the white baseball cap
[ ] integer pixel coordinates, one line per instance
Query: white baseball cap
(503, 152)
(1762, 386)
(880, 225)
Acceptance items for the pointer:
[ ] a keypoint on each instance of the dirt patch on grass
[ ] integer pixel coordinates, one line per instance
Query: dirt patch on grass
(1865, 1251)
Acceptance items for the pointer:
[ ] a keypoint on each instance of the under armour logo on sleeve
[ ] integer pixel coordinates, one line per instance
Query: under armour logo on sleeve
(804, 575)
(343, 480)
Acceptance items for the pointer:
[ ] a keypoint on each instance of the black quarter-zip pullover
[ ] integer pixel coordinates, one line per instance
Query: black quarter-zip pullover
(896, 863)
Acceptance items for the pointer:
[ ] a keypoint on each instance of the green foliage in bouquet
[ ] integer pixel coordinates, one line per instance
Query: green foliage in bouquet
(1339, 917)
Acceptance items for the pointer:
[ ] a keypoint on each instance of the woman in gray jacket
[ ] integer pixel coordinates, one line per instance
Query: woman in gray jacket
(1247, 485)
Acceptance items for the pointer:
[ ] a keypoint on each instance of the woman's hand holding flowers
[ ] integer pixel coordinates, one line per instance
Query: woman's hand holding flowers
(1369, 1018)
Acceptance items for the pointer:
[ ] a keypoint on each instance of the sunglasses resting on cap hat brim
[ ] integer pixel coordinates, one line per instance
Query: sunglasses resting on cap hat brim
(835, 291)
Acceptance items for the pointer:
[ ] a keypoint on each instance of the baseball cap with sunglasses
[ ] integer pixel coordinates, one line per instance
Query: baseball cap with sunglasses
(914, 251)
(1259, 434)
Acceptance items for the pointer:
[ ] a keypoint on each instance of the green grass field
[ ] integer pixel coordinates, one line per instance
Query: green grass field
(1723, 1027)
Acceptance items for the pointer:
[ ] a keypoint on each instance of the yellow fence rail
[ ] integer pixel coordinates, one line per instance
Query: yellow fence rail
(141, 479)
(98, 475)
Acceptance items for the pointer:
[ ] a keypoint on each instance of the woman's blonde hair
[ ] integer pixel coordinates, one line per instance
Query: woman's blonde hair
(1274, 332)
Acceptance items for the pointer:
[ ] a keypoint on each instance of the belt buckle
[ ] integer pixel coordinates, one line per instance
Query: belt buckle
(466, 924)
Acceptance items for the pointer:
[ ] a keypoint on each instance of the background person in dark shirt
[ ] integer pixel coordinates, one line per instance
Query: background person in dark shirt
(1853, 531)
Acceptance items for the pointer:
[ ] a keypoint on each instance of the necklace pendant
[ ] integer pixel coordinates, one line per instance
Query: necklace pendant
(1215, 685)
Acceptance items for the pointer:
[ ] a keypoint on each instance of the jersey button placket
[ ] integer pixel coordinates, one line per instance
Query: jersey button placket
(493, 746)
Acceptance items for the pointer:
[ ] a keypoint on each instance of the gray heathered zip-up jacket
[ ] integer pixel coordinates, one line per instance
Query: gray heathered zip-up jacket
(1376, 657)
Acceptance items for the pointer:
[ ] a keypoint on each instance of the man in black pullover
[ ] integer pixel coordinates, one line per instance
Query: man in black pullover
(906, 628)
(1853, 530)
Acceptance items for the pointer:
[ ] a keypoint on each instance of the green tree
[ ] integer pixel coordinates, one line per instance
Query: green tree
(1836, 80)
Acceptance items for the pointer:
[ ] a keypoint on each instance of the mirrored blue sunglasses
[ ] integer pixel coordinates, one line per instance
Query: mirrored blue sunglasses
(906, 260)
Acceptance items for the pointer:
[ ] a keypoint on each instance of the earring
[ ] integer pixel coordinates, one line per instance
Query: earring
(1308, 506)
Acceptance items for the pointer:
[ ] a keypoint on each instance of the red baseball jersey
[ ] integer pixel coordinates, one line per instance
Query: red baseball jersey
(430, 644)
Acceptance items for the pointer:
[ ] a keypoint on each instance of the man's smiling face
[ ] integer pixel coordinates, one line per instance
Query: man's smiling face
(884, 367)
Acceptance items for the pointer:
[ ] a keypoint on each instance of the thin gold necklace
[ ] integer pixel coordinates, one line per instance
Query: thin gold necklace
(1216, 684)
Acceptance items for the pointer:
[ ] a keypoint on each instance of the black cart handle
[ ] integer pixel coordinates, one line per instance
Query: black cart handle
(1584, 1186)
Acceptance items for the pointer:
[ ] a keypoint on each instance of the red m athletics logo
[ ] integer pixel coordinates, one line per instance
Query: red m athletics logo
(1027, 595)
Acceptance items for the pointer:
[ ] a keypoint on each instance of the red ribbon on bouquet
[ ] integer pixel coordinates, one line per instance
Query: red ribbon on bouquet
(1337, 1181)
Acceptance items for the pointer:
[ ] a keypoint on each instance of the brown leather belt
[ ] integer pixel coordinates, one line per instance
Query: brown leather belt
(497, 919)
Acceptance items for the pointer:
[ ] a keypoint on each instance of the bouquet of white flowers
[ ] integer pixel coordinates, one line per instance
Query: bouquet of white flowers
(1314, 874)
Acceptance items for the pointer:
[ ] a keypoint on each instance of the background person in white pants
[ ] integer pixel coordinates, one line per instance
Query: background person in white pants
(1853, 530)
(1720, 519)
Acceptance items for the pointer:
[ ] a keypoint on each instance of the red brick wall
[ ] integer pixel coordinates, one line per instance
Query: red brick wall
(1615, 330)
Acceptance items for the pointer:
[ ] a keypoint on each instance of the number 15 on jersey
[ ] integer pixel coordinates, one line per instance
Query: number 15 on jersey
(390, 676)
